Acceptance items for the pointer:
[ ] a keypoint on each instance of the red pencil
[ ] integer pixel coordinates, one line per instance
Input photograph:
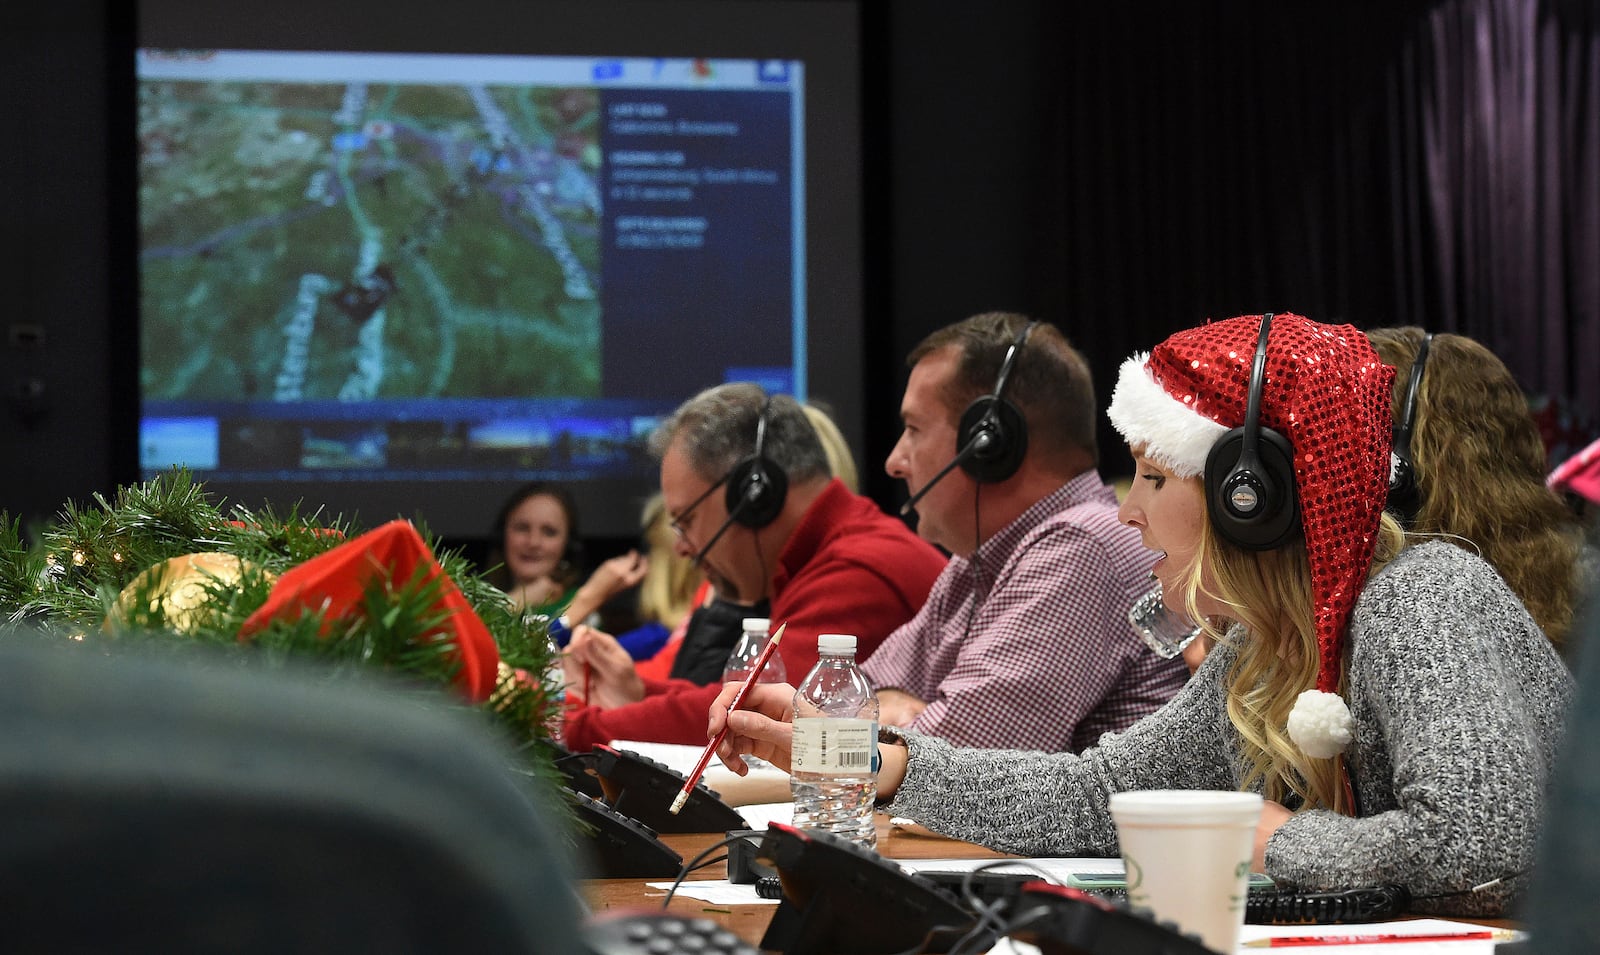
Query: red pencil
(738, 701)
(1294, 940)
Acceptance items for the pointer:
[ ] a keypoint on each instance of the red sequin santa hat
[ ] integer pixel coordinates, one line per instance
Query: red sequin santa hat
(1325, 390)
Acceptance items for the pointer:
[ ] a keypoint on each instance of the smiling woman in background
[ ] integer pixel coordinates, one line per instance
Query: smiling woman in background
(542, 556)
(538, 532)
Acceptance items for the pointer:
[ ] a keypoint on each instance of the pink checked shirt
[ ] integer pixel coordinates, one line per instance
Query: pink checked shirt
(1044, 657)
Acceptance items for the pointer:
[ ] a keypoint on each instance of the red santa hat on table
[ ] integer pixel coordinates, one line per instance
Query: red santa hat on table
(335, 583)
(1325, 390)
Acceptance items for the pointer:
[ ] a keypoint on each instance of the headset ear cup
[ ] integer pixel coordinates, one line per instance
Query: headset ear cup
(1008, 439)
(1277, 521)
(1404, 497)
(757, 489)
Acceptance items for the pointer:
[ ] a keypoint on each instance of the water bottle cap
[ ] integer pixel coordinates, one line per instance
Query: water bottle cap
(757, 623)
(836, 643)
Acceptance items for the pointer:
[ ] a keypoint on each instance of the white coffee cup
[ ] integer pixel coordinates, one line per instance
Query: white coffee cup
(1188, 857)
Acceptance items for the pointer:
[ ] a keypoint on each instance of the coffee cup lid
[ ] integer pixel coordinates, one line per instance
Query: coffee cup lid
(1180, 806)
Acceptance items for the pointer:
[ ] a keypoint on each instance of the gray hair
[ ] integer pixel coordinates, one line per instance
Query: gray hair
(716, 429)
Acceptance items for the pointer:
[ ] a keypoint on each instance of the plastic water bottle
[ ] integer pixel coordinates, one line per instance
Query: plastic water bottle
(746, 651)
(834, 761)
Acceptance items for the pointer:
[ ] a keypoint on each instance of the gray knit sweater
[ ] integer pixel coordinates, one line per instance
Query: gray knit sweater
(1458, 701)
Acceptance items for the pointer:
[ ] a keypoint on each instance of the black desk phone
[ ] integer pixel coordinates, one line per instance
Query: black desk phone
(842, 899)
(622, 800)
(1061, 920)
(661, 933)
(642, 788)
(620, 847)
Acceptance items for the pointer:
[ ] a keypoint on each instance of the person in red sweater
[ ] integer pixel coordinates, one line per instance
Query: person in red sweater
(748, 486)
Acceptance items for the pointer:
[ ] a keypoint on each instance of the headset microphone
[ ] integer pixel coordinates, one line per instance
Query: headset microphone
(979, 442)
(992, 432)
(733, 518)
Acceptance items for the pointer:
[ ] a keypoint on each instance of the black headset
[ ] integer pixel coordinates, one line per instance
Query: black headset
(755, 491)
(757, 486)
(1405, 498)
(992, 437)
(992, 428)
(1250, 473)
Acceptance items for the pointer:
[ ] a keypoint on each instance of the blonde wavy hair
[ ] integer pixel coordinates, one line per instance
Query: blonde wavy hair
(1269, 594)
(666, 594)
(840, 461)
(1480, 464)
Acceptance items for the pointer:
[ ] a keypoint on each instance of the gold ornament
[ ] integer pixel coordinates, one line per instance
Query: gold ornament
(178, 590)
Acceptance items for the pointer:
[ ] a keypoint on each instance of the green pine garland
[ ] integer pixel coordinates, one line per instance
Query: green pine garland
(71, 584)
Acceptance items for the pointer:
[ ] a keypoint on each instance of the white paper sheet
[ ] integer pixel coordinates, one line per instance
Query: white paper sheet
(758, 816)
(1053, 869)
(676, 757)
(718, 892)
(1009, 946)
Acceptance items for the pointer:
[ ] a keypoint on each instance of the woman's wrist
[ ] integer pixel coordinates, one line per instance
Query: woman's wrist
(894, 757)
(583, 604)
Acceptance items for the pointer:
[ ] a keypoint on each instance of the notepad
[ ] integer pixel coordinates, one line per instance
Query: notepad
(764, 784)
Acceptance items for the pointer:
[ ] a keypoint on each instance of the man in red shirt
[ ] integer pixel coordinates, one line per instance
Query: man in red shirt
(747, 483)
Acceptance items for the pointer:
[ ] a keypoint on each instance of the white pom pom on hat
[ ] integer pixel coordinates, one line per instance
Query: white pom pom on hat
(1321, 724)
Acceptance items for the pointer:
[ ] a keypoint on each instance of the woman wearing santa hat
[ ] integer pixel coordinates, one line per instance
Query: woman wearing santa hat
(1396, 706)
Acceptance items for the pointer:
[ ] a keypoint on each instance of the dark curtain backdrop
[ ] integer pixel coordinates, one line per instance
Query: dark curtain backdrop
(1379, 163)
(1497, 106)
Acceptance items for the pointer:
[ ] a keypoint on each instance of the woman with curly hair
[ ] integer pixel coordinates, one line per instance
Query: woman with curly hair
(1470, 467)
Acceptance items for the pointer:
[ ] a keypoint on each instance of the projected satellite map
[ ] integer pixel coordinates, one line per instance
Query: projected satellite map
(305, 241)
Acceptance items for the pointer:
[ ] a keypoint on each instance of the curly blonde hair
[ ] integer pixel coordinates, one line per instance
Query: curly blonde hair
(1479, 465)
(1269, 594)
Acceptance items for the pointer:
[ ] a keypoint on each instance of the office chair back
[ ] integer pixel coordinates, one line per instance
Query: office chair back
(161, 804)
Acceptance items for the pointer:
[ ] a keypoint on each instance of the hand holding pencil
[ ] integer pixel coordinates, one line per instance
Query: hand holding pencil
(761, 727)
(735, 696)
(598, 665)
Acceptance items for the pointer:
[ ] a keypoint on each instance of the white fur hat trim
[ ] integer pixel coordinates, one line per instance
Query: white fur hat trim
(1171, 432)
(1321, 724)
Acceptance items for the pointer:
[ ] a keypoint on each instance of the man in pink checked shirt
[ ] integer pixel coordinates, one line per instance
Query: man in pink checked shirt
(1024, 642)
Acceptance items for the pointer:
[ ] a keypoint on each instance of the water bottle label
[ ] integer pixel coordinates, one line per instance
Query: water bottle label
(824, 744)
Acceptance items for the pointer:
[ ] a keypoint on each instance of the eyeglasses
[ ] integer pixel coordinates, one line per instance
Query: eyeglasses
(677, 522)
